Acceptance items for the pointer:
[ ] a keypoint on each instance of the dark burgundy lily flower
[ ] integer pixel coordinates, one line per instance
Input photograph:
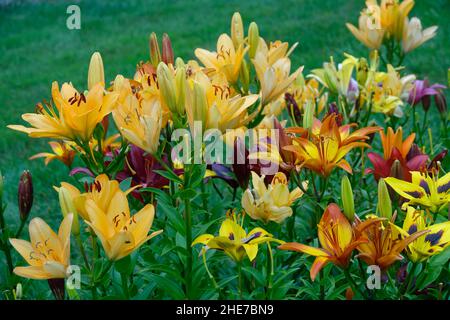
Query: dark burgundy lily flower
(422, 92)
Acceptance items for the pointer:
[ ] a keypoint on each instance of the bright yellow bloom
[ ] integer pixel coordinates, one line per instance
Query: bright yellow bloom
(62, 151)
(216, 105)
(47, 253)
(102, 191)
(414, 36)
(434, 242)
(383, 247)
(336, 236)
(425, 190)
(234, 241)
(76, 115)
(272, 203)
(139, 122)
(369, 31)
(393, 14)
(273, 69)
(226, 60)
(336, 79)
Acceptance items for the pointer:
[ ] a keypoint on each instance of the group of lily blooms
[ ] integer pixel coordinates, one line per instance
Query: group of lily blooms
(247, 83)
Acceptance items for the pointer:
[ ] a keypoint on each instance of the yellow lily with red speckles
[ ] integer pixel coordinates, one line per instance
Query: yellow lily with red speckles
(234, 241)
(425, 190)
(47, 253)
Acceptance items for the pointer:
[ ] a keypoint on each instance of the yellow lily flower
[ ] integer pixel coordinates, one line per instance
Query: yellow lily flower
(62, 151)
(234, 241)
(273, 69)
(216, 105)
(337, 237)
(102, 191)
(337, 80)
(76, 115)
(139, 122)
(414, 36)
(369, 31)
(47, 253)
(270, 203)
(425, 190)
(434, 242)
(393, 14)
(118, 231)
(226, 59)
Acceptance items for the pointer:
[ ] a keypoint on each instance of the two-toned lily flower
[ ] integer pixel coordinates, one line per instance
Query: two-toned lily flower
(75, 117)
(426, 190)
(383, 247)
(62, 151)
(234, 241)
(271, 203)
(423, 91)
(273, 69)
(336, 236)
(324, 151)
(139, 122)
(396, 153)
(434, 242)
(414, 35)
(227, 59)
(47, 253)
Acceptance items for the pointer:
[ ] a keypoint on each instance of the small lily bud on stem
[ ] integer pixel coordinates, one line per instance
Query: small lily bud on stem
(347, 199)
(25, 195)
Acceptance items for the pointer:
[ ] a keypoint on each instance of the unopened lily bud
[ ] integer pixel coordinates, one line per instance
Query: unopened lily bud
(155, 54)
(167, 51)
(25, 195)
(244, 75)
(96, 73)
(237, 30)
(396, 170)
(18, 292)
(67, 207)
(308, 115)
(253, 39)
(166, 83)
(118, 82)
(362, 71)
(179, 63)
(347, 199)
(241, 167)
(200, 103)
(384, 201)
(441, 103)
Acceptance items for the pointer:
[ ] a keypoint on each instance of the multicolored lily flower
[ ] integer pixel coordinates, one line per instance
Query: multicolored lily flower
(426, 190)
(383, 247)
(337, 237)
(234, 241)
(327, 146)
(434, 242)
(62, 151)
(47, 253)
(272, 203)
(76, 115)
(398, 159)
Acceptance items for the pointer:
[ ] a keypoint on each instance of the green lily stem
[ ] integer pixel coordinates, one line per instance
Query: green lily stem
(82, 251)
(5, 246)
(352, 283)
(211, 277)
(22, 224)
(239, 267)
(270, 271)
(126, 291)
(188, 224)
(408, 281)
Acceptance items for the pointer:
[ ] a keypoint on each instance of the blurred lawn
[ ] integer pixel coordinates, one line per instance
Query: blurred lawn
(37, 48)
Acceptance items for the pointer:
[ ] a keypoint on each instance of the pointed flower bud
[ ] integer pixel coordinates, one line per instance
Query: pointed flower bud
(25, 195)
(308, 115)
(237, 30)
(362, 71)
(96, 71)
(167, 51)
(347, 199)
(244, 75)
(384, 201)
(396, 170)
(253, 39)
(166, 81)
(441, 103)
(118, 82)
(155, 53)
(200, 104)
(18, 292)
(180, 81)
(67, 207)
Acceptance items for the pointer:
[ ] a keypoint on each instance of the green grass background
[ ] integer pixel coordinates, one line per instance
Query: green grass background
(36, 48)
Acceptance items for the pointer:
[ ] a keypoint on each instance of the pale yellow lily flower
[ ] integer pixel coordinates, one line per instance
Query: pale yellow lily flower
(271, 203)
(414, 35)
(47, 253)
(226, 59)
(76, 115)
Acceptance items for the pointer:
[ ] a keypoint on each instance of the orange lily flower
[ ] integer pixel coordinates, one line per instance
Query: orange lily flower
(383, 247)
(337, 237)
(392, 140)
(62, 151)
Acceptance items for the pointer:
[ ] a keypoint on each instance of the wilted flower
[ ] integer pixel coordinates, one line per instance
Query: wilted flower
(76, 115)
(47, 253)
(234, 241)
(272, 203)
(25, 195)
